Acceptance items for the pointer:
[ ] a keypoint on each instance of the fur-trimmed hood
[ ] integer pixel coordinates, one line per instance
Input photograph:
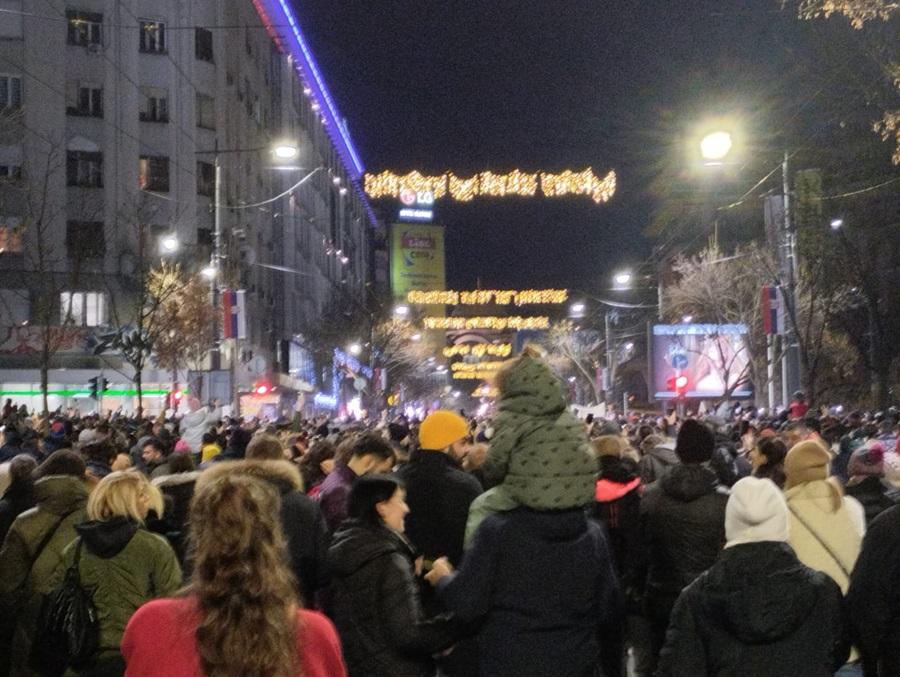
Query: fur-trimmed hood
(283, 474)
(176, 479)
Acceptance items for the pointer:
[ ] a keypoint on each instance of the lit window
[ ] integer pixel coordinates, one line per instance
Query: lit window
(82, 309)
(10, 235)
(153, 173)
(85, 28)
(153, 36)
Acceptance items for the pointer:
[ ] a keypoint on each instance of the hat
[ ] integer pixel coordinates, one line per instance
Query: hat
(442, 428)
(651, 442)
(182, 446)
(89, 436)
(807, 461)
(756, 511)
(867, 461)
(695, 442)
(608, 445)
(892, 469)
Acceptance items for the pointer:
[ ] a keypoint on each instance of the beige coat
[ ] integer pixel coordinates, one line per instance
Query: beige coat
(842, 530)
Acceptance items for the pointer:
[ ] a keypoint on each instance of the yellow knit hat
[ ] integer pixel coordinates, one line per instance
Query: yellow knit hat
(442, 428)
(807, 461)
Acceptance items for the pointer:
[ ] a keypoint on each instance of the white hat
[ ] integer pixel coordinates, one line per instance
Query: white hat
(756, 511)
(892, 469)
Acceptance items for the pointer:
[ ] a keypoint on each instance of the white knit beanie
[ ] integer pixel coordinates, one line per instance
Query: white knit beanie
(756, 511)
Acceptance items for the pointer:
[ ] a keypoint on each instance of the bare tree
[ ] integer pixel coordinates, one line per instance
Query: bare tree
(578, 349)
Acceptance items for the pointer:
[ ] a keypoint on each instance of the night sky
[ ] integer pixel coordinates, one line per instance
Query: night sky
(550, 84)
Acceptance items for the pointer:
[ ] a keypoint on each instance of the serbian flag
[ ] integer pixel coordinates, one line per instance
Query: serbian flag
(772, 309)
(234, 314)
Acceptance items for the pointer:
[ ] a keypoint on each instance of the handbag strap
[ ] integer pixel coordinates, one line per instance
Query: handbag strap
(45, 541)
(821, 541)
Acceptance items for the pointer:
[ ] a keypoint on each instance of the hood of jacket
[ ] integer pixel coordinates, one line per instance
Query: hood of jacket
(664, 453)
(176, 479)
(532, 389)
(820, 493)
(284, 475)
(107, 538)
(687, 482)
(59, 494)
(759, 592)
(356, 544)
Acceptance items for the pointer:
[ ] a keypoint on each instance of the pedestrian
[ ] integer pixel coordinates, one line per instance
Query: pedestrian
(197, 422)
(209, 446)
(866, 481)
(33, 548)
(301, 518)
(539, 456)
(657, 458)
(366, 454)
(177, 490)
(239, 615)
(315, 465)
(120, 561)
(375, 596)
(154, 454)
(99, 457)
(757, 611)
(682, 528)
(873, 600)
(767, 458)
(19, 495)
(617, 501)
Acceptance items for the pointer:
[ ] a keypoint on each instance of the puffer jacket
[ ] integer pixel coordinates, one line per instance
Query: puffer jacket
(376, 608)
(61, 501)
(617, 504)
(658, 462)
(540, 451)
(126, 566)
(757, 612)
(873, 494)
(301, 519)
(177, 490)
(682, 530)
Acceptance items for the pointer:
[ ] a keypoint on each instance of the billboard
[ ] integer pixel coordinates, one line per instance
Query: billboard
(417, 259)
(700, 360)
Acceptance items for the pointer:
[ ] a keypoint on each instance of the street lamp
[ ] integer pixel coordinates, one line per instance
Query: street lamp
(401, 310)
(622, 279)
(577, 309)
(209, 272)
(715, 147)
(837, 224)
(285, 151)
(169, 244)
(355, 349)
(415, 337)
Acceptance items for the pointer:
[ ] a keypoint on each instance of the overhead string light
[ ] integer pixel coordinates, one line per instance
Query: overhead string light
(387, 184)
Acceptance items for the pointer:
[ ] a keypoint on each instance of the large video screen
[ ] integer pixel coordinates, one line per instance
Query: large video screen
(700, 360)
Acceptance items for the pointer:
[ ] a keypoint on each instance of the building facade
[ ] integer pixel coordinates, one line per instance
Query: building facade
(113, 114)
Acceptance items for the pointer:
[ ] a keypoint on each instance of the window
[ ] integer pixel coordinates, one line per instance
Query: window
(155, 105)
(206, 178)
(10, 91)
(84, 169)
(82, 308)
(11, 26)
(153, 36)
(203, 44)
(153, 173)
(206, 111)
(84, 99)
(10, 235)
(85, 239)
(85, 28)
(10, 162)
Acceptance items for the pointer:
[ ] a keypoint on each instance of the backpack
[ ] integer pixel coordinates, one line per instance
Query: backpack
(68, 631)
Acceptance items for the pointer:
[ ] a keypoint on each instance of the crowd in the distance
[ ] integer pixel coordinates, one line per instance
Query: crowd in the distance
(527, 543)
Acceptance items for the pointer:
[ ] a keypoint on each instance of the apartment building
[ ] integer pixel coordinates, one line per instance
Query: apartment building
(112, 115)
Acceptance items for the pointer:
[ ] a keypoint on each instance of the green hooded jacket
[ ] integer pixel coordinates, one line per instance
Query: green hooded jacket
(540, 450)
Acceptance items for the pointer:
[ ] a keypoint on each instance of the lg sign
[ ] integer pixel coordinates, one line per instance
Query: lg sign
(413, 198)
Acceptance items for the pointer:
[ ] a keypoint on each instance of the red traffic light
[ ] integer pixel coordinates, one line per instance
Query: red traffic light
(262, 388)
(177, 395)
(681, 382)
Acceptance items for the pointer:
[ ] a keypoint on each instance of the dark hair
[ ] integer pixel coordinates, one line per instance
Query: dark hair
(102, 451)
(21, 468)
(367, 492)
(181, 462)
(813, 423)
(156, 443)
(209, 438)
(238, 441)
(773, 449)
(62, 462)
(312, 460)
(371, 443)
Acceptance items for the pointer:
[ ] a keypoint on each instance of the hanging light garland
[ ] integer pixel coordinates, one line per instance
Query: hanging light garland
(479, 350)
(387, 184)
(489, 322)
(480, 297)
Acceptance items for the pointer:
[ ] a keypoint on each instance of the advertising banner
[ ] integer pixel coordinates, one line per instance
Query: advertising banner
(417, 259)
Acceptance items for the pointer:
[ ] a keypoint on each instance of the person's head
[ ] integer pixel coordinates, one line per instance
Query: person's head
(808, 462)
(369, 454)
(125, 493)
(101, 451)
(21, 469)
(62, 462)
(867, 461)
(317, 463)
(238, 441)
(153, 451)
(609, 445)
(181, 462)
(756, 511)
(378, 499)
(444, 430)
(210, 438)
(769, 451)
(265, 448)
(799, 396)
(529, 377)
(695, 442)
(241, 579)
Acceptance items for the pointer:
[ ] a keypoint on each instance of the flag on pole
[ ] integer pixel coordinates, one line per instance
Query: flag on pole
(773, 309)
(234, 314)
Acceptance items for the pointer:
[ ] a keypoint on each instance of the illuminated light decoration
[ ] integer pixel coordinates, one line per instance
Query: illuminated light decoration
(481, 297)
(474, 375)
(476, 366)
(325, 401)
(479, 350)
(387, 184)
(410, 214)
(485, 391)
(488, 322)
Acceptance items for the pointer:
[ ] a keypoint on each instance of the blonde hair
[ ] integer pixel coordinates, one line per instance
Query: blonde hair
(124, 493)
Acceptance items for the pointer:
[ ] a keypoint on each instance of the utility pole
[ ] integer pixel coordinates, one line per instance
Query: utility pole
(215, 353)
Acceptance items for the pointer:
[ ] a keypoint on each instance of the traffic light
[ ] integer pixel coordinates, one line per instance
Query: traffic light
(262, 388)
(678, 384)
(94, 387)
(104, 385)
(177, 395)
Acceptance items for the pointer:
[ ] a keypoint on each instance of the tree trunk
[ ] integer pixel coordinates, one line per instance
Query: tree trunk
(45, 377)
(138, 376)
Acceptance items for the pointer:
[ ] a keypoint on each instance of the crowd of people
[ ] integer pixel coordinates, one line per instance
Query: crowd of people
(527, 543)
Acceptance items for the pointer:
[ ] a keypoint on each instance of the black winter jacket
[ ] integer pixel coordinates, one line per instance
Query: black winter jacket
(177, 490)
(374, 600)
(439, 494)
(682, 530)
(617, 504)
(17, 499)
(874, 496)
(757, 612)
(874, 596)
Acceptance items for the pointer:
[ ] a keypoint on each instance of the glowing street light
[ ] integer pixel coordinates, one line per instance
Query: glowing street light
(401, 310)
(837, 224)
(169, 244)
(415, 337)
(285, 151)
(355, 349)
(577, 309)
(209, 272)
(715, 147)
(622, 279)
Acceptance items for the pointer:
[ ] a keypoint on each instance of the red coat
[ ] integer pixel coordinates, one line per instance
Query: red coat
(159, 640)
